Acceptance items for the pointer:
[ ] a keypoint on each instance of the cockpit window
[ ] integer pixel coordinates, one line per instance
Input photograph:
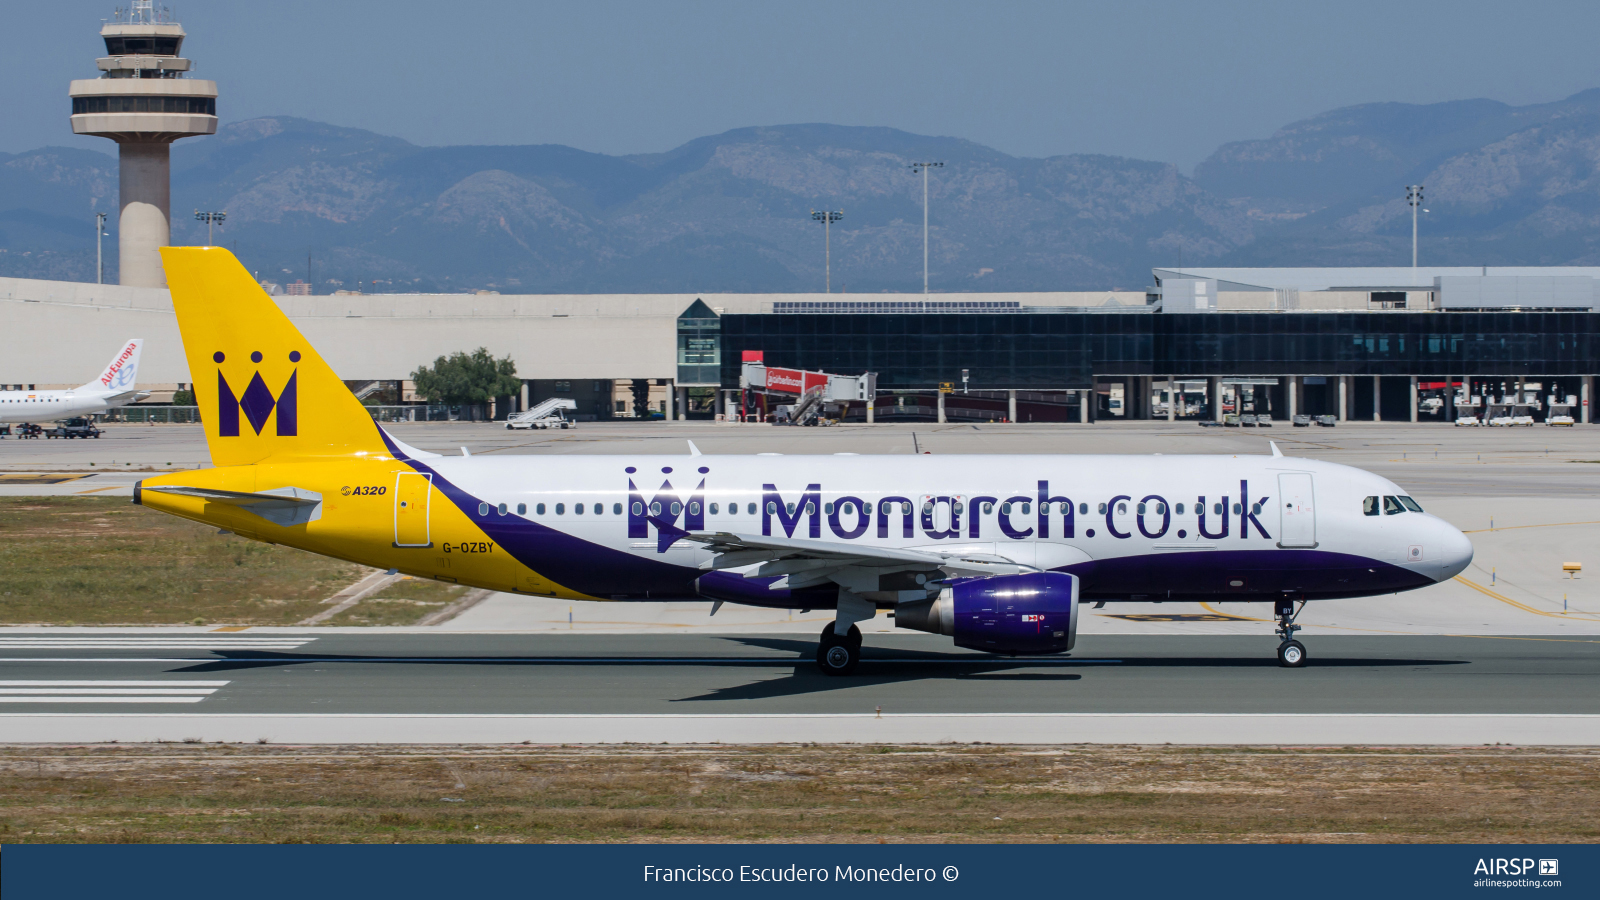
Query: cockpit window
(1369, 506)
(1392, 507)
(1411, 504)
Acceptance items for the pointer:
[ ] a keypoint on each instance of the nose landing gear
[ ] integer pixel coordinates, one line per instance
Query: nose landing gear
(1291, 653)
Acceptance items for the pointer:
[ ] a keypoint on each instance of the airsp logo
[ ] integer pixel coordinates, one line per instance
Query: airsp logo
(1549, 867)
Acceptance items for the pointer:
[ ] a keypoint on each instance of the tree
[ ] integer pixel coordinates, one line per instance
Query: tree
(461, 379)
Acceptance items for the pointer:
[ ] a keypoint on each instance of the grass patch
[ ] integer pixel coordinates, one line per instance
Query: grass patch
(405, 602)
(104, 561)
(238, 794)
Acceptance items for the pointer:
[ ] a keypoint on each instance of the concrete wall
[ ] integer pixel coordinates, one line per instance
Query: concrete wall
(59, 332)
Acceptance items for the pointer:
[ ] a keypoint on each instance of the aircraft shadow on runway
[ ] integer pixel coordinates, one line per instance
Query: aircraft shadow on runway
(895, 666)
(880, 666)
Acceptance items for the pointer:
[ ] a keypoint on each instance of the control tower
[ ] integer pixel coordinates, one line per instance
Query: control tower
(143, 100)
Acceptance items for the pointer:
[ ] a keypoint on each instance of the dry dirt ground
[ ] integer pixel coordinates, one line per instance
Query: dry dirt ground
(250, 793)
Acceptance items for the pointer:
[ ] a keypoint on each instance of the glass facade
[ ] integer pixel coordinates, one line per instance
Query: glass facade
(194, 106)
(700, 347)
(1065, 351)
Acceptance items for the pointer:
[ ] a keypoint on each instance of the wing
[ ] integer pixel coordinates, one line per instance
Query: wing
(866, 570)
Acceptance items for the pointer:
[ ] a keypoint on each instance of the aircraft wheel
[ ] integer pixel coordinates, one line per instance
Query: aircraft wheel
(838, 655)
(1291, 654)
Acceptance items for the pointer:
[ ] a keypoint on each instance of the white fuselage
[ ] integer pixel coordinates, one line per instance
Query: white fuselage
(44, 406)
(595, 523)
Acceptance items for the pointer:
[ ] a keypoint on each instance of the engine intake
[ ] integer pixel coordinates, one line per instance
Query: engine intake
(1032, 613)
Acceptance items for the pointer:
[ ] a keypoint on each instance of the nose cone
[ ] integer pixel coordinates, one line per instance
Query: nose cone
(1455, 552)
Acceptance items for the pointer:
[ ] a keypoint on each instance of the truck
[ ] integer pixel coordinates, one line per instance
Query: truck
(78, 427)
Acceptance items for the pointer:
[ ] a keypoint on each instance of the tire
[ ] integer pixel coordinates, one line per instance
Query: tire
(1291, 655)
(838, 655)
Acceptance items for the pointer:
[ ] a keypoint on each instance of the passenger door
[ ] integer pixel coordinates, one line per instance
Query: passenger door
(412, 492)
(1296, 503)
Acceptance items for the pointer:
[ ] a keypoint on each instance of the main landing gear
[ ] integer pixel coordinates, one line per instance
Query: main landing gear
(1291, 653)
(838, 654)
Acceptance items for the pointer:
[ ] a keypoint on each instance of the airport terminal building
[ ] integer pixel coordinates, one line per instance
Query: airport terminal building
(1356, 343)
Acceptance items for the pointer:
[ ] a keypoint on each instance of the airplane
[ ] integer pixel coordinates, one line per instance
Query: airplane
(997, 552)
(113, 388)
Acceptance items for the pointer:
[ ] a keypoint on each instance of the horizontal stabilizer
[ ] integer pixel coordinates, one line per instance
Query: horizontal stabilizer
(284, 506)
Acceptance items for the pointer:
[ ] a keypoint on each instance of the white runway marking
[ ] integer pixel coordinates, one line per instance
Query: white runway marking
(107, 691)
(1272, 729)
(151, 642)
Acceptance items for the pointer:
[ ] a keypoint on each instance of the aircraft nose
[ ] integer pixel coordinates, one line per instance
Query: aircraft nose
(1455, 552)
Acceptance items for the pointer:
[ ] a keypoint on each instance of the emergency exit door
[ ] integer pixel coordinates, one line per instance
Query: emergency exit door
(1298, 521)
(412, 491)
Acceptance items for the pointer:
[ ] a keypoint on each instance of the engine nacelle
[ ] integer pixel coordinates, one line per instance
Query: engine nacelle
(1036, 612)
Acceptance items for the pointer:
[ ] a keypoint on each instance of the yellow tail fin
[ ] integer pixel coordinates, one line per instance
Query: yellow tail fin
(263, 390)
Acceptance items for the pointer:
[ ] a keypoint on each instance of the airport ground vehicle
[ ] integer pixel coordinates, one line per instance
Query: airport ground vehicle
(78, 427)
(547, 414)
(1328, 421)
(1301, 421)
(997, 552)
(1561, 420)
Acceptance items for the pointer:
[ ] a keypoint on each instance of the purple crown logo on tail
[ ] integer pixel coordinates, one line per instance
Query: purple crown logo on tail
(257, 402)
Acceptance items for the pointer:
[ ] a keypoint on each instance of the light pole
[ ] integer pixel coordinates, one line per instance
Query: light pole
(923, 167)
(1414, 197)
(827, 217)
(99, 252)
(211, 219)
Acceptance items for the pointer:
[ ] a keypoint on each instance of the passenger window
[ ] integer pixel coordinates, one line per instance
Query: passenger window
(1141, 509)
(773, 508)
(1027, 508)
(1122, 509)
(1237, 509)
(713, 509)
(1179, 509)
(1369, 506)
(1161, 509)
(1411, 504)
(1065, 508)
(522, 509)
(502, 509)
(694, 509)
(1005, 509)
(1392, 507)
(561, 508)
(539, 508)
(676, 507)
(988, 508)
(790, 507)
(751, 508)
(577, 509)
(1083, 509)
(1102, 509)
(827, 509)
(638, 508)
(1216, 509)
(483, 509)
(905, 508)
(655, 508)
(616, 509)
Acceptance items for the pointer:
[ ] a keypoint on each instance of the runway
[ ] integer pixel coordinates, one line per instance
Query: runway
(763, 688)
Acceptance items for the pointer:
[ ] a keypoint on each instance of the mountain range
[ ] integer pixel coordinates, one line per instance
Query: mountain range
(731, 212)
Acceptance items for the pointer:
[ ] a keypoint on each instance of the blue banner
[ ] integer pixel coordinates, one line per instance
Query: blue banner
(247, 872)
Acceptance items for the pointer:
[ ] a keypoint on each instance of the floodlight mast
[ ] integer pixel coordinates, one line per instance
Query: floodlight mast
(827, 217)
(211, 219)
(1414, 197)
(923, 167)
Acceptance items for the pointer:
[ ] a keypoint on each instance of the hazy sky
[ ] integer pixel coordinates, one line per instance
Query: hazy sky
(1166, 81)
